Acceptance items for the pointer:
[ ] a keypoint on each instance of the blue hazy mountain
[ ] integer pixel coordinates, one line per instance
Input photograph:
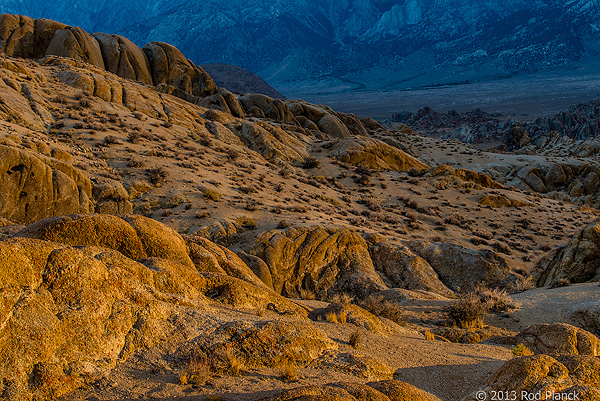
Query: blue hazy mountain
(378, 42)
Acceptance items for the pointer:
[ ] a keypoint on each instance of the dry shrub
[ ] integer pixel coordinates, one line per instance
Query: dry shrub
(356, 339)
(209, 194)
(521, 350)
(563, 282)
(157, 175)
(496, 300)
(380, 307)
(289, 371)
(307, 294)
(246, 222)
(197, 372)
(343, 316)
(311, 162)
(331, 317)
(341, 298)
(224, 361)
(467, 312)
(429, 336)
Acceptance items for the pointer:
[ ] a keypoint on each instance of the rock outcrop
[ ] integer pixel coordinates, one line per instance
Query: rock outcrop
(374, 154)
(319, 260)
(170, 67)
(577, 261)
(77, 302)
(463, 269)
(559, 338)
(401, 268)
(123, 58)
(387, 390)
(587, 316)
(547, 377)
(35, 186)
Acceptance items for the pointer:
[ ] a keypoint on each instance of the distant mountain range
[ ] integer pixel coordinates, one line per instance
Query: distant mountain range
(373, 43)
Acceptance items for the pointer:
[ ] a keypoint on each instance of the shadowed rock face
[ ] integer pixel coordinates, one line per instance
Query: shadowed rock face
(577, 261)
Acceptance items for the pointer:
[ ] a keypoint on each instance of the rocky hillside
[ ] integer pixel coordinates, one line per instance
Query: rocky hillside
(238, 80)
(311, 39)
(164, 237)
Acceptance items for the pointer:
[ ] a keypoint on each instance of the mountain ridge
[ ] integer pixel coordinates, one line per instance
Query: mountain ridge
(306, 39)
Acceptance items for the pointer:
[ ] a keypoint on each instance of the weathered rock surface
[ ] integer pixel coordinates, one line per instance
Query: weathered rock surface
(401, 268)
(170, 67)
(587, 316)
(317, 259)
(123, 58)
(35, 186)
(75, 43)
(268, 344)
(374, 154)
(387, 390)
(71, 314)
(552, 377)
(397, 390)
(463, 269)
(577, 261)
(352, 314)
(559, 338)
(111, 198)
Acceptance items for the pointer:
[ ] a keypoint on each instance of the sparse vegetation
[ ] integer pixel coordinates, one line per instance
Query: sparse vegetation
(289, 371)
(157, 175)
(356, 339)
(197, 372)
(212, 195)
(521, 350)
(467, 312)
(378, 306)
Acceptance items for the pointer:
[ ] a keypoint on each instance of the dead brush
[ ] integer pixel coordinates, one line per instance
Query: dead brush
(356, 339)
(378, 306)
(289, 371)
(224, 360)
(496, 300)
(197, 371)
(467, 312)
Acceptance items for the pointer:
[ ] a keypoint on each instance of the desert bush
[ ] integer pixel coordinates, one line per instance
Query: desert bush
(283, 224)
(341, 298)
(467, 312)
(247, 190)
(157, 175)
(135, 163)
(521, 350)
(311, 162)
(307, 294)
(212, 195)
(496, 300)
(429, 336)
(197, 372)
(223, 360)
(563, 282)
(378, 306)
(331, 317)
(232, 154)
(356, 339)
(289, 371)
(111, 140)
(246, 222)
